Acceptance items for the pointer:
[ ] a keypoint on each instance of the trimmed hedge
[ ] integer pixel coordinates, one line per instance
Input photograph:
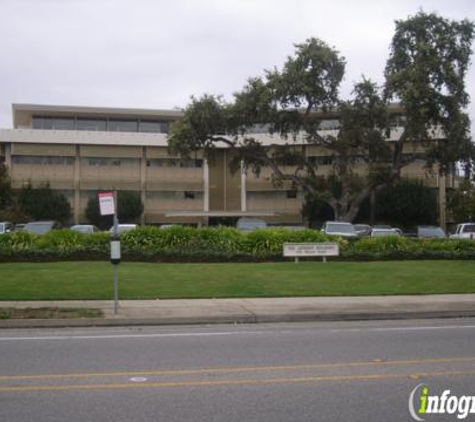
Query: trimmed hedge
(216, 244)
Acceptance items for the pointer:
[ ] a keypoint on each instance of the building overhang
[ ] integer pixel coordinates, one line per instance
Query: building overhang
(221, 213)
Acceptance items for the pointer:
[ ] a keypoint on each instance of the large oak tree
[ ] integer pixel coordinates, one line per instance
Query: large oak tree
(425, 74)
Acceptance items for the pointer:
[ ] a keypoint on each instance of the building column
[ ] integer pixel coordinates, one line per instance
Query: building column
(77, 185)
(8, 157)
(205, 185)
(442, 214)
(243, 188)
(205, 220)
(143, 175)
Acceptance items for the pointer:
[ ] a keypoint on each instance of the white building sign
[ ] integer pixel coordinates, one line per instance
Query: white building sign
(311, 249)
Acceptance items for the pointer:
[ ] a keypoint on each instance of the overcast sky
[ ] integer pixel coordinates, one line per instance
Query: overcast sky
(156, 54)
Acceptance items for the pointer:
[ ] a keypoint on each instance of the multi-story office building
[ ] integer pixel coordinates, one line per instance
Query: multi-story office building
(80, 150)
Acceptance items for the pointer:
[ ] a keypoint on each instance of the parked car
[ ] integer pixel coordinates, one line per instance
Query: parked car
(167, 226)
(388, 227)
(19, 226)
(375, 232)
(85, 228)
(430, 232)
(362, 229)
(6, 227)
(124, 228)
(249, 224)
(287, 227)
(464, 231)
(42, 227)
(339, 228)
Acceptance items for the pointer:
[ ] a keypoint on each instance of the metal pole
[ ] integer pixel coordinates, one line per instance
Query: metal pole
(116, 288)
(116, 266)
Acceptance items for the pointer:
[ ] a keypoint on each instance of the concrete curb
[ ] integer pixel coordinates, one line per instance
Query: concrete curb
(229, 319)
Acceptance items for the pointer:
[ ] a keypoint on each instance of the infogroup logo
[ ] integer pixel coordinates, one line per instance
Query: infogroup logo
(422, 403)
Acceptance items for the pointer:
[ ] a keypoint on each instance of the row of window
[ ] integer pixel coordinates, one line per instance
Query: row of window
(105, 161)
(163, 162)
(100, 124)
(174, 195)
(274, 195)
(360, 159)
(174, 163)
(195, 195)
(42, 160)
(331, 124)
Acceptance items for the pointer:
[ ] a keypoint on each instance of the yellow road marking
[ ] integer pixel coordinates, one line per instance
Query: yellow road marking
(171, 384)
(223, 370)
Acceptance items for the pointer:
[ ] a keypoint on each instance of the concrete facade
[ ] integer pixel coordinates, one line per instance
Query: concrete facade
(80, 150)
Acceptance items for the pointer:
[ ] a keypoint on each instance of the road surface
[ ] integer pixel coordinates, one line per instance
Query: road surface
(339, 371)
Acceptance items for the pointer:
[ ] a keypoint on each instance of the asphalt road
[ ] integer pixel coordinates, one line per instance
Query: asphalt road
(283, 372)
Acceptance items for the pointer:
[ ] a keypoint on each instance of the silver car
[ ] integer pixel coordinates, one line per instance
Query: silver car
(339, 228)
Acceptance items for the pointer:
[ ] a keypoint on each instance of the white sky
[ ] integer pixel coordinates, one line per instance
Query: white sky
(156, 54)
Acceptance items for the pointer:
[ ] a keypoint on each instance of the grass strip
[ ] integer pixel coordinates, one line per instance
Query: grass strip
(49, 313)
(93, 280)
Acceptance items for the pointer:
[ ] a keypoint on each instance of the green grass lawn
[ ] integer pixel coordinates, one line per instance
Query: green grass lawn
(93, 280)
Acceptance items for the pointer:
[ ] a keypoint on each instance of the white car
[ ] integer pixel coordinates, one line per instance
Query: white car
(384, 232)
(249, 224)
(85, 228)
(464, 231)
(339, 228)
(124, 228)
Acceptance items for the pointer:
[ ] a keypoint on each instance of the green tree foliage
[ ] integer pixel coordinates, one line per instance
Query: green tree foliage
(316, 212)
(130, 208)
(5, 188)
(44, 204)
(407, 203)
(425, 72)
(461, 202)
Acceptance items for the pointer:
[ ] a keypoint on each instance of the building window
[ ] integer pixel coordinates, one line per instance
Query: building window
(322, 160)
(103, 162)
(56, 123)
(291, 194)
(174, 163)
(398, 121)
(99, 124)
(153, 126)
(174, 195)
(63, 123)
(45, 160)
(122, 125)
(42, 122)
(259, 128)
(330, 124)
(91, 124)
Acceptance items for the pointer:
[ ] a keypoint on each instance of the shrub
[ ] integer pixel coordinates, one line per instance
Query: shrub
(18, 241)
(217, 244)
(384, 244)
(44, 203)
(130, 208)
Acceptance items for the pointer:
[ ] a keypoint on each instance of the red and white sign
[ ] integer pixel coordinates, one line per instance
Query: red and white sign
(106, 203)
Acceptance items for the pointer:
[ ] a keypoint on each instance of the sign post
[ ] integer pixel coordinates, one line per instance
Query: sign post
(107, 205)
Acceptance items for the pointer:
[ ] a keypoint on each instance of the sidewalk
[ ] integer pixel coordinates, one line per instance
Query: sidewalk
(253, 310)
